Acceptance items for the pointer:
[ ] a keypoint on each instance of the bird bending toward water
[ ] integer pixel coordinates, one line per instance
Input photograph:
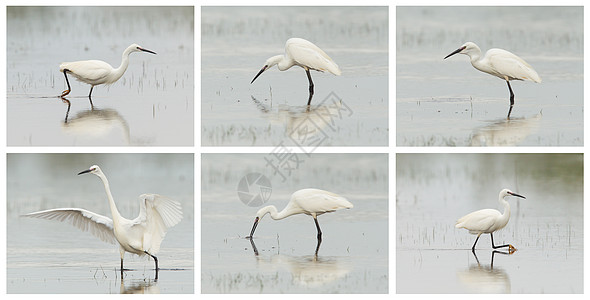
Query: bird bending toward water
(142, 235)
(488, 220)
(500, 63)
(313, 202)
(96, 72)
(303, 53)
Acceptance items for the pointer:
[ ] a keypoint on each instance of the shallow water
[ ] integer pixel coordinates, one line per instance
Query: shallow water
(449, 103)
(353, 256)
(236, 41)
(45, 256)
(434, 190)
(152, 104)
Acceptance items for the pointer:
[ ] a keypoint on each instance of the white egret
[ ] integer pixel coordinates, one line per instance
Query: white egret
(488, 220)
(313, 202)
(96, 72)
(142, 235)
(303, 53)
(500, 63)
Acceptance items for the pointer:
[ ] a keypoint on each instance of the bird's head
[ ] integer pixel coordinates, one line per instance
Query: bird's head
(259, 215)
(507, 192)
(268, 64)
(468, 48)
(92, 170)
(137, 48)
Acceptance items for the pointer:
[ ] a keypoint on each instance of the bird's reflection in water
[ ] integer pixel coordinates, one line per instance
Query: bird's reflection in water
(506, 132)
(139, 286)
(486, 278)
(307, 270)
(308, 121)
(96, 126)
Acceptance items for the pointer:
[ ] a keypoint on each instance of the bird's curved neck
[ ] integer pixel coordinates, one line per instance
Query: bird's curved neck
(282, 62)
(114, 211)
(274, 214)
(475, 57)
(506, 214)
(118, 72)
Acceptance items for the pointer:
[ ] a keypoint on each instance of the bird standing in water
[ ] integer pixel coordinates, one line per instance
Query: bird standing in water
(303, 53)
(97, 72)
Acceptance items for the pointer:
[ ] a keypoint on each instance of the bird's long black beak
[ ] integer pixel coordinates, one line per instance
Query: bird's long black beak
(253, 227)
(261, 70)
(146, 50)
(517, 195)
(455, 52)
(85, 171)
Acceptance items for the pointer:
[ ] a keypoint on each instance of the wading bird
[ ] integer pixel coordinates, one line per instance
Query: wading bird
(488, 220)
(500, 63)
(142, 235)
(97, 72)
(303, 53)
(311, 202)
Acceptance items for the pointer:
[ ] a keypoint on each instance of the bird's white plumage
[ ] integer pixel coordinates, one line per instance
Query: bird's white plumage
(481, 221)
(307, 55)
(488, 220)
(313, 202)
(504, 64)
(93, 72)
(96, 72)
(142, 234)
(158, 213)
(498, 62)
(100, 226)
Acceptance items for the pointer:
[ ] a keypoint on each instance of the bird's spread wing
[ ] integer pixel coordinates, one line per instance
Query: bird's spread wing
(98, 225)
(158, 213)
(306, 54)
(507, 64)
(89, 71)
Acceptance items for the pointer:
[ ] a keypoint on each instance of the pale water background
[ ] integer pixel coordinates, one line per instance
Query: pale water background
(235, 43)
(354, 254)
(450, 103)
(46, 256)
(151, 105)
(434, 190)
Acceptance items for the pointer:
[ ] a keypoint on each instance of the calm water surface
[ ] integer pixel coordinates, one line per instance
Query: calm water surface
(152, 104)
(351, 109)
(434, 190)
(449, 103)
(47, 257)
(353, 256)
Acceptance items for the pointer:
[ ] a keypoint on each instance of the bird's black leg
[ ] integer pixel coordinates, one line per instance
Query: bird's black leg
(155, 260)
(121, 268)
(310, 89)
(317, 225)
(317, 248)
(473, 248)
(511, 94)
(509, 112)
(501, 246)
(64, 93)
(90, 94)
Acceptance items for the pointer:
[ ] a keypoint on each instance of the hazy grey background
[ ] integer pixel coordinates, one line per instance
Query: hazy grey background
(434, 190)
(235, 43)
(354, 254)
(46, 256)
(152, 104)
(450, 103)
